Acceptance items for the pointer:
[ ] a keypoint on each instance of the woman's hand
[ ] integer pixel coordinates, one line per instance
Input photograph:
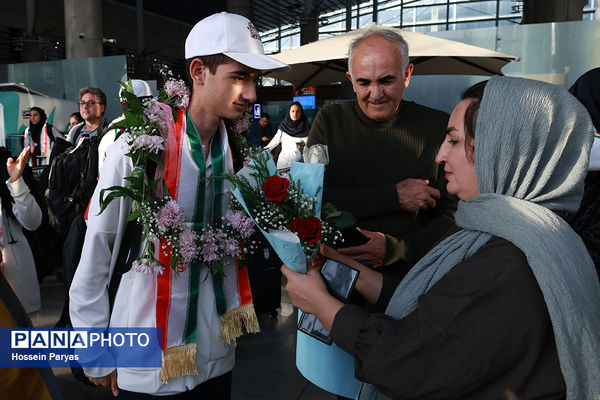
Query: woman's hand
(305, 290)
(309, 292)
(369, 281)
(15, 168)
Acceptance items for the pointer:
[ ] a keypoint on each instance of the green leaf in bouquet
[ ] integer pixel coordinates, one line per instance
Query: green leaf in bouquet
(157, 159)
(135, 213)
(135, 105)
(328, 210)
(136, 182)
(131, 119)
(174, 260)
(154, 184)
(344, 220)
(115, 192)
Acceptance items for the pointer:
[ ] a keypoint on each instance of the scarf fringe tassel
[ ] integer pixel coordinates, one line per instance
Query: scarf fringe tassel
(178, 361)
(233, 321)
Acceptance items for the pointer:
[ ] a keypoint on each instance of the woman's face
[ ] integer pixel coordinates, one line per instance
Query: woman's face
(460, 172)
(295, 113)
(35, 116)
(72, 122)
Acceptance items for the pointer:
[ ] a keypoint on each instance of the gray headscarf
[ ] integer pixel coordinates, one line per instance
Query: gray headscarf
(531, 152)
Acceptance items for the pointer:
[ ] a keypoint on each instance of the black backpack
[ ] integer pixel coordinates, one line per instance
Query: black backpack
(71, 182)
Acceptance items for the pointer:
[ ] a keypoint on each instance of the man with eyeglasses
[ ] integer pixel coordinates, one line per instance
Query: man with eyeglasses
(92, 104)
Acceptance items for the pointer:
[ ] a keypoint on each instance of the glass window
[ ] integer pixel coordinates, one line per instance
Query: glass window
(429, 28)
(507, 22)
(390, 16)
(425, 2)
(510, 8)
(431, 14)
(479, 9)
(366, 19)
(472, 25)
(591, 5)
(409, 16)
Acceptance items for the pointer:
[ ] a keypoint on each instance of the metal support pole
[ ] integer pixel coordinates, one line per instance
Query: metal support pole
(139, 15)
(83, 28)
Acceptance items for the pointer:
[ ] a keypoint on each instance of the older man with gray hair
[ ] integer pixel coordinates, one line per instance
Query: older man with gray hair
(382, 158)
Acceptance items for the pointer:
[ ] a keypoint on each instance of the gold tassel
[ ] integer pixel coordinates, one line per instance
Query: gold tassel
(178, 361)
(250, 319)
(232, 321)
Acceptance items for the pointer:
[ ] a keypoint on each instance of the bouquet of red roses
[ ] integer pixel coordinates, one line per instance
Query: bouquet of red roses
(287, 209)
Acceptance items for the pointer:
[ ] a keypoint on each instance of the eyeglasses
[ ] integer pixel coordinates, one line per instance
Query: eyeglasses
(89, 103)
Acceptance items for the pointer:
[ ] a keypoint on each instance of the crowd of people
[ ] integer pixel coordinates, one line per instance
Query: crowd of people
(479, 231)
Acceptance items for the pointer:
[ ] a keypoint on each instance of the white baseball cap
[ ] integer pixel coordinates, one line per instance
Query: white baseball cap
(232, 35)
(140, 88)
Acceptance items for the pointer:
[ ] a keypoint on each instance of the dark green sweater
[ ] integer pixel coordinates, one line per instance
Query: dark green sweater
(366, 160)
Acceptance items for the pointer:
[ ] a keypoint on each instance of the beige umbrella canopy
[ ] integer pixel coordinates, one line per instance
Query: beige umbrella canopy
(324, 61)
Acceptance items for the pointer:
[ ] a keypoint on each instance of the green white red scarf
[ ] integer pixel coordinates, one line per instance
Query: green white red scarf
(232, 291)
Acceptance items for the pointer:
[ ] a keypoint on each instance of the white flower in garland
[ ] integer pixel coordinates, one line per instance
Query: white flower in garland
(150, 143)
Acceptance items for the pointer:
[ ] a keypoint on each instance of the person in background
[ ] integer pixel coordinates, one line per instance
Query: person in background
(586, 221)
(142, 90)
(260, 131)
(40, 137)
(20, 210)
(74, 119)
(92, 104)
(292, 134)
(506, 306)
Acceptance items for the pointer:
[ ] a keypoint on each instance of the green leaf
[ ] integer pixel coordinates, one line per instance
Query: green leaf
(345, 220)
(132, 119)
(174, 260)
(133, 216)
(157, 159)
(154, 184)
(135, 105)
(328, 210)
(115, 192)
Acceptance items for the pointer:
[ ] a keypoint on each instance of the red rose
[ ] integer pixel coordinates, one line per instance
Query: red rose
(308, 229)
(275, 188)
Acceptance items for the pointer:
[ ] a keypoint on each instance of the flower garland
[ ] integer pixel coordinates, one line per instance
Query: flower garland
(160, 215)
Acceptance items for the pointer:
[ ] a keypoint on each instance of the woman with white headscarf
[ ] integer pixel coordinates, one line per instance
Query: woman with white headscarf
(507, 305)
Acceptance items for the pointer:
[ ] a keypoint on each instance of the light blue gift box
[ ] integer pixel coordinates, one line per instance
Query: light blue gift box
(327, 366)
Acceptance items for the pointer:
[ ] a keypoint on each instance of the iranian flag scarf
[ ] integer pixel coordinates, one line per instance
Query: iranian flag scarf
(176, 314)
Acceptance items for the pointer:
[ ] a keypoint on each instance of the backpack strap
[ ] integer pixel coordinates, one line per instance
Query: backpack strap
(128, 252)
(77, 132)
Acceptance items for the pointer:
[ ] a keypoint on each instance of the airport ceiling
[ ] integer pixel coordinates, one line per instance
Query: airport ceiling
(265, 14)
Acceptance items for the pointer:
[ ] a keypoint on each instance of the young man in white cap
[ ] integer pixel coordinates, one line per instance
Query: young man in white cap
(225, 56)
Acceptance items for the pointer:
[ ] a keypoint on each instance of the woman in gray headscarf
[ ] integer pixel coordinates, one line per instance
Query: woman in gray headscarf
(506, 306)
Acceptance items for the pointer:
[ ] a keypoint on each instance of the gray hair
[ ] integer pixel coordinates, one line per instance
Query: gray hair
(386, 33)
(94, 91)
